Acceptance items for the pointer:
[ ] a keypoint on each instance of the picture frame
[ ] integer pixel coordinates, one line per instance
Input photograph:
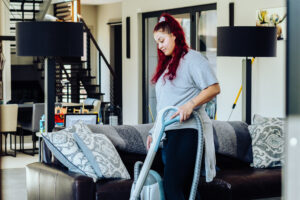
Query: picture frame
(71, 119)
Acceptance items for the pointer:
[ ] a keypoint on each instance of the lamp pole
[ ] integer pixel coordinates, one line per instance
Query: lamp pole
(49, 93)
(247, 90)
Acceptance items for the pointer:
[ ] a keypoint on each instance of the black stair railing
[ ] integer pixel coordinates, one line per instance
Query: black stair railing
(101, 56)
(97, 46)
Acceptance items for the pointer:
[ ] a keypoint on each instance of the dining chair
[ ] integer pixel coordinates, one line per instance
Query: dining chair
(8, 125)
(96, 104)
(32, 127)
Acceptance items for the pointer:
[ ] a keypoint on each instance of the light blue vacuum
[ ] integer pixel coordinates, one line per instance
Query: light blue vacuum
(144, 175)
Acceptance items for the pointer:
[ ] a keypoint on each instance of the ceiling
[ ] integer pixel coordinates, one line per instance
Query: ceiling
(98, 2)
(89, 2)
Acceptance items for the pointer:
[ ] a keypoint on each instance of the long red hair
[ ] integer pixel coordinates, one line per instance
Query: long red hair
(169, 24)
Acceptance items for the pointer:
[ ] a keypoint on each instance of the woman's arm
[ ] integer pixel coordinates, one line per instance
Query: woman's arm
(203, 97)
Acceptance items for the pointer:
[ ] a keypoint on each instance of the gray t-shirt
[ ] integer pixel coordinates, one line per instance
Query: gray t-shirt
(193, 75)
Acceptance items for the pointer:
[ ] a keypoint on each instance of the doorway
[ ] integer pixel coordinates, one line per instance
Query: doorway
(116, 63)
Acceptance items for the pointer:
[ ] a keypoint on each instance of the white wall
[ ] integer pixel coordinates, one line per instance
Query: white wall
(268, 73)
(106, 13)
(4, 30)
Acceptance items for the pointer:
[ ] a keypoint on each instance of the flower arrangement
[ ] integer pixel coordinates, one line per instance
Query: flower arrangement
(264, 19)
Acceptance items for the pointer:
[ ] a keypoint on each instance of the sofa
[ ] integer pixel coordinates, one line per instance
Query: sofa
(235, 179)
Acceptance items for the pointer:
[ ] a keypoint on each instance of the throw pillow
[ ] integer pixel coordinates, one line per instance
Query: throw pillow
(267, 141)
(102, 155)
(131, 139)
(66, 150)
(232, 138)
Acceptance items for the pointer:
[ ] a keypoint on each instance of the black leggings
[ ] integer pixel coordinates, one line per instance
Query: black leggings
(179, 154)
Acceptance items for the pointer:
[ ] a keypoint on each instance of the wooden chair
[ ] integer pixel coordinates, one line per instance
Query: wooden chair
(8, 125)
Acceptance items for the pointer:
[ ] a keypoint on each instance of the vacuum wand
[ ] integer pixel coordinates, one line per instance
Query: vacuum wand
(149, 159)
(158, 133)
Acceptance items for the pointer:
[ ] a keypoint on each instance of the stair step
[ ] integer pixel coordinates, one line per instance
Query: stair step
(61, 86)
(70, 60)
(26, 1)
(23, 65)
(20, 19)
(25, 11)
(71, 97)
(84, 78)
(91, 85)
(76, 93)
(10, 38)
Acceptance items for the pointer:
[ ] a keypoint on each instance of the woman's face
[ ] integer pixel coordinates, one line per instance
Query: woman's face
(165, 42)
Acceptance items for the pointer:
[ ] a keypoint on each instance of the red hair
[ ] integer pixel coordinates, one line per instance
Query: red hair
(169, 24)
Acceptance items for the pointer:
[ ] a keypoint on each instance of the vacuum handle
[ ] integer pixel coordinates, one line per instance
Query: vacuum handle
(171, 121)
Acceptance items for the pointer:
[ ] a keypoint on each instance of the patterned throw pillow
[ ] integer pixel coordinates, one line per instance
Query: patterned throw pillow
(267, 141)
(65, 149)
(102, 155)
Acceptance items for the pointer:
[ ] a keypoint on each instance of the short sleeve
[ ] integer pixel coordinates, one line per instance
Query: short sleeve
(201, 73)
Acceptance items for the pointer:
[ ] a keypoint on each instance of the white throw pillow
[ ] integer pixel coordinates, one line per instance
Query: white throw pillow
(267, 141)
(66, 150)
(102, 155)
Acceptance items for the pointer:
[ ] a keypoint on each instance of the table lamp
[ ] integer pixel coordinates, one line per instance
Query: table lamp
(246, 41)
(50, 40)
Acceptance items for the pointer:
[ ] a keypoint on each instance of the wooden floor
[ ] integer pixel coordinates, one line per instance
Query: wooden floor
(13, 184)
(13, 176)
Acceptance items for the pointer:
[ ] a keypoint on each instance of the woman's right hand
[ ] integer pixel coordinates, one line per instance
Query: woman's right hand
(149, 141)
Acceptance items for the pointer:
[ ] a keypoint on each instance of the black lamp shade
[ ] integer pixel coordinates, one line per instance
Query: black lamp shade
(49, 39)
(246, 41)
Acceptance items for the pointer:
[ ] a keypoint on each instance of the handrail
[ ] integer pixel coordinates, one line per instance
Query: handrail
(64, 69)
(97, 46)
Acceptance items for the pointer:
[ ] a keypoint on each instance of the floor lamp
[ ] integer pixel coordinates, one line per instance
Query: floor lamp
(246, 41)
(50, 40)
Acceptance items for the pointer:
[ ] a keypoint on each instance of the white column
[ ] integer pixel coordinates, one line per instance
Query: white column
(4, 30)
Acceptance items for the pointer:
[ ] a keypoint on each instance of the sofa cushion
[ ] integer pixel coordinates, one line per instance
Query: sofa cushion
(232, 139)
(131, 139)
(227, 185)
(102, 155)
(249, 183)
(66, 150)
(267, 141)
(113, 189)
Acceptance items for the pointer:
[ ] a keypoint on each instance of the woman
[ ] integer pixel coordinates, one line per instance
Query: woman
(183, 79)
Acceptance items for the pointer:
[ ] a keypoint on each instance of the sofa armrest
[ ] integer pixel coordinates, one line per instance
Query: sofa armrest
(45, 181)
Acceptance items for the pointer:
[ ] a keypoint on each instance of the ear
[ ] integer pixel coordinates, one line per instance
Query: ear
(173, 36)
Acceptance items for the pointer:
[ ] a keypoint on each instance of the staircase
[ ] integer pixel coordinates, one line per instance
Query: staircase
(22, 10)
(74, 82)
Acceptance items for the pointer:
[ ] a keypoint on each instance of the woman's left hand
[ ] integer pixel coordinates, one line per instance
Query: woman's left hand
(184, 111)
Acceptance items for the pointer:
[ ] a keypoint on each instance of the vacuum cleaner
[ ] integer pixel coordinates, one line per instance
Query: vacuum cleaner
(147, 183)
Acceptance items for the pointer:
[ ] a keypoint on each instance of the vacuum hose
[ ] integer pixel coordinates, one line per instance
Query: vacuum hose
(197, 169)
